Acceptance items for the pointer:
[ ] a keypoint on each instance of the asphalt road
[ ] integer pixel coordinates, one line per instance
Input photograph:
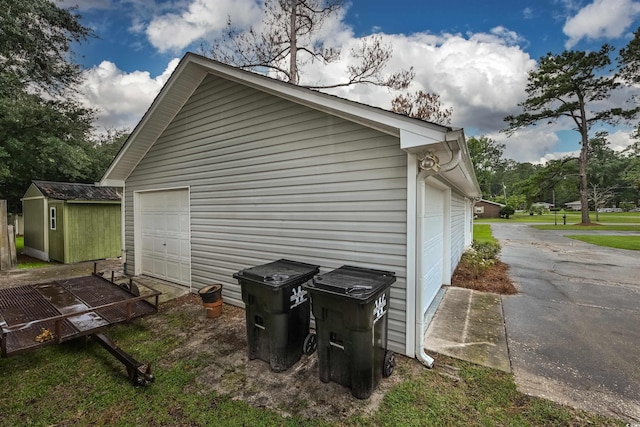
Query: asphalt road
(573, 330)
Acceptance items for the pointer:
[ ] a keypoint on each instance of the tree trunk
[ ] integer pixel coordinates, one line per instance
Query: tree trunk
(584, 196)
(293, 58)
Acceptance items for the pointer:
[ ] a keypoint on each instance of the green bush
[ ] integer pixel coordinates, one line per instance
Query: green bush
(627, 206)
(487, 250)
(507, 211)
(481, 256)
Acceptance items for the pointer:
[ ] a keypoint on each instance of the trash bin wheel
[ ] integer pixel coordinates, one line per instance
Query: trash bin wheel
(310, 344)
(389, 363)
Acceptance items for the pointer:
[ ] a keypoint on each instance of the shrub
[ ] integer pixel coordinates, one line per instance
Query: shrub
(487, 250)
(481, 256)
(507, 211)
(627, 206)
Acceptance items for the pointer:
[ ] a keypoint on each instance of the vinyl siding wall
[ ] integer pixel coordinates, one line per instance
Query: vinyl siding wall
(270, 179)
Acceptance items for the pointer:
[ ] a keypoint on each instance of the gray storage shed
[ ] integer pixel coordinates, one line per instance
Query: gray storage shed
(229, 169)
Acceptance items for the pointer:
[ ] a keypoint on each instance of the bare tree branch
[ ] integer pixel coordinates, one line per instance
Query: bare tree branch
(291, 37)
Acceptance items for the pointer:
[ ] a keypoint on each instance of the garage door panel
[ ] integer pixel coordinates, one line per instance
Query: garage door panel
(172, 223)
(173, 248)
(185, 249)
(173, 271)
(165, 241)
(432, 239)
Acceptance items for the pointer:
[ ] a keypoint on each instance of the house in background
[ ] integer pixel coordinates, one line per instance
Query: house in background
(543, 205)
(70, 223)
(229, 169)
(575, 206)
(487, 209)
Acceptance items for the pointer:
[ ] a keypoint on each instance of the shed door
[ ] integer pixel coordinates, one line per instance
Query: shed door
(432, 222)
(164, 240)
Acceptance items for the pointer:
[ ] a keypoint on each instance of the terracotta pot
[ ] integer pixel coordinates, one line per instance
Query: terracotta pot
(214, 309)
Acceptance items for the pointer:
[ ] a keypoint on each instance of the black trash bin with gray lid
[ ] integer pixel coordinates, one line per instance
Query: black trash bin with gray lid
(350, 306)
(277, 311)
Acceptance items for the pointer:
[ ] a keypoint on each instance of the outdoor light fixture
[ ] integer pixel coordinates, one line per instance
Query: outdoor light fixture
(430, 162)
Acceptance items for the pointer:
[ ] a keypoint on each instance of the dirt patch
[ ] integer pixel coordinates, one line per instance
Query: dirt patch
(57, 271)
(218, 350)
(494, 278)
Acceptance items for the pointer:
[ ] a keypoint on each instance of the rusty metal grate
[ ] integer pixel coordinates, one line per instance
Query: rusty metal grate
(90, 291)
(66, 309)
(25, 304)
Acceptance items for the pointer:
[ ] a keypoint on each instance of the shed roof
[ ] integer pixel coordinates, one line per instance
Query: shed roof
(489, 202)
(75, 191)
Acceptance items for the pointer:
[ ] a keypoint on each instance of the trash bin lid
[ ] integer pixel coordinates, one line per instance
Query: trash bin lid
(354, 282)
(278, 273)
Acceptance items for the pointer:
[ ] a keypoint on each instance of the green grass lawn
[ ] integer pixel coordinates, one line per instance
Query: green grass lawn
(30, 264)
(585, 228)
(77, 383)
(572, 218)
(482, 233)
(618, 242)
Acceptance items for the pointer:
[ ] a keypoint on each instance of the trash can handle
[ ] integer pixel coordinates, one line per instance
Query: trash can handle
(362, 288)
(276, 278)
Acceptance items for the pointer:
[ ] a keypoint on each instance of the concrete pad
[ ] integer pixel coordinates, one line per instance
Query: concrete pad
(169, 290)
(469, 325)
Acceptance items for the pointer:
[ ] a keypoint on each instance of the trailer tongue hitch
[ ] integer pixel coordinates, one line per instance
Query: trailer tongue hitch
(139, 374)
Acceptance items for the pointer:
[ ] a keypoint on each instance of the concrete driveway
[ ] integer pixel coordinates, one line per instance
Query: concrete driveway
(573, 330)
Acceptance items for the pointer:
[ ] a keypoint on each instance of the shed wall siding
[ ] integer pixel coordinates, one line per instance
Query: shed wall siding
(270, 179)
(56, 237)
(34, 224)
(92, 231)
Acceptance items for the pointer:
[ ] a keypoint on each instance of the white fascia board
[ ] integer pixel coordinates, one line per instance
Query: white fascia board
(111, 183)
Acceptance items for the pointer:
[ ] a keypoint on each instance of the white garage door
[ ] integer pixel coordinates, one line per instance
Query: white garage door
(165, 249)
(432, 239)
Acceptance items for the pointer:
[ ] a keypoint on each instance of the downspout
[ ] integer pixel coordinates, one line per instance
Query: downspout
(420, 328)
(433, 170)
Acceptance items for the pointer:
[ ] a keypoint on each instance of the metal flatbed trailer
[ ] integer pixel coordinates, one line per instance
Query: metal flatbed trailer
(34, 316)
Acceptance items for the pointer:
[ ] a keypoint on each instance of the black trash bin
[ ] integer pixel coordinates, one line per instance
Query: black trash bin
(278, 311)
(350, 306)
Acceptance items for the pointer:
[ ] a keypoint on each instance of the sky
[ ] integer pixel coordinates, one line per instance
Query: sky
(475, 55)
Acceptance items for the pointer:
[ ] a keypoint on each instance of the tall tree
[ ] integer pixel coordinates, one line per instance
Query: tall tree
(290, 36)
(629, 60)
(486, 156)
(43, 131)
(422, 105)
(35, 45)
(566, 86)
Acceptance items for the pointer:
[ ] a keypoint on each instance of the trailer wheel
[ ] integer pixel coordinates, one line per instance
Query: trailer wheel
(310, 344)
(389, 363)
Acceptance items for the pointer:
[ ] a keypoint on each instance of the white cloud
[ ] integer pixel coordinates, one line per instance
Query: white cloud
(620, 140)
(602, 19)
(200, 18)
(531, 144)
(121, 98)
(481, 77)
